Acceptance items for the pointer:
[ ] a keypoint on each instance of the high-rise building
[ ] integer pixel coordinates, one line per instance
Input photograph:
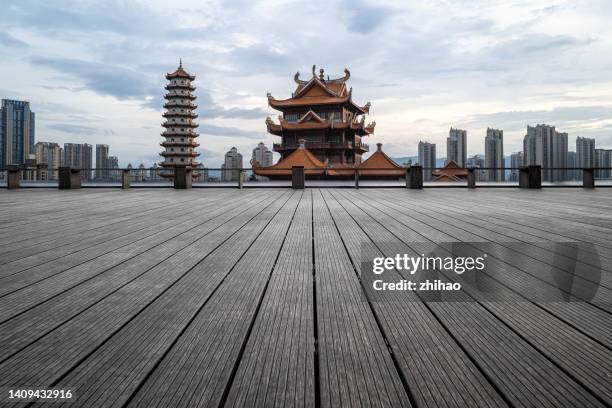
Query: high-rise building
(494, 155)
(102, 162)
(232, 167)
(585, 152)
(427, 159)
(51, 155)
(516, 161)
(456, 147)
(477, 162)
(79, 156)
(202, 173)
(263, 155)
(603, 161)
(17, 132)
(544, 146)
(180, 125)
(113, 163)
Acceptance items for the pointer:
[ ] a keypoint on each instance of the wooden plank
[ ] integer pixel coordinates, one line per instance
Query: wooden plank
(356, 368)
(479, 332)
(278, 363)
(437, 371)
(50, 285)
(39, 320)
(592, 321)
(199, 367)
(223, 289)
(108, 218)
(54, 355)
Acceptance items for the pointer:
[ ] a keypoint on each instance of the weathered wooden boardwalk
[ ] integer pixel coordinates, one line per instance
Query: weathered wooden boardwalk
(220, 297)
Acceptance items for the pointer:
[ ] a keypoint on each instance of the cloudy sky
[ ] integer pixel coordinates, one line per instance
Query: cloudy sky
(94, 71)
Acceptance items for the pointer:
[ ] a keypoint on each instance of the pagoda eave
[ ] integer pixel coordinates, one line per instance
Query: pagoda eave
(179, 86)
(180, 125)
(179, 114)
(177, 134)
(178, 96)
(180, 74)
(179, 144)
(179, 154)
(169, 105)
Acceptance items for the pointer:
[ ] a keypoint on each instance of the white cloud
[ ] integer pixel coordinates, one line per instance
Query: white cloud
(424, 65)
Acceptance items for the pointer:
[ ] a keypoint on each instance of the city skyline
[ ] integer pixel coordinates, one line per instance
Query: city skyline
(478, 70)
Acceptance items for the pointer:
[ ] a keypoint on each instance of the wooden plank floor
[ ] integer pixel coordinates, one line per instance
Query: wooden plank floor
(223, 297)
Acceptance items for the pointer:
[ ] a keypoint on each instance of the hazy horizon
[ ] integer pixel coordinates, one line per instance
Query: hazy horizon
(94, 71)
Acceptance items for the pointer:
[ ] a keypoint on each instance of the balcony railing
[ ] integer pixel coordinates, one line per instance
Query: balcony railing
(412, 177)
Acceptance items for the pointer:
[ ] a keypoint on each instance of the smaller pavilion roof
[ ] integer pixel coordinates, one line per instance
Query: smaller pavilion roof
(450, 172)
(180, 73)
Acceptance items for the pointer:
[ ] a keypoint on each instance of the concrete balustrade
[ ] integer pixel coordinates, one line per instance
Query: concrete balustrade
(414, 177)
(588, 178)
(530, 177)
(69, 178)
(471, 178)
(298, 178)
(183, 177)
(125, 179)
(12, 178)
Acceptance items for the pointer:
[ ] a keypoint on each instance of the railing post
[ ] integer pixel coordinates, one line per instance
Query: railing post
(588, 178)
(530, 176)
(523, 176)
(415, 174)
(241, 174)
(125, 179)
(182, 177)
(12, 178)
(298, 178)
(471, 178)
(356, 178)
(69, 178)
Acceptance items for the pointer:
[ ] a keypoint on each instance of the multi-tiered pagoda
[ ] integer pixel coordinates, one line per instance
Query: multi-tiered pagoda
(321, 112)
(180, 123)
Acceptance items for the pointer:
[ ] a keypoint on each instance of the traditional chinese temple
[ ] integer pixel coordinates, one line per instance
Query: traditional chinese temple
(321, 111)
(180, 135)
(322, 129)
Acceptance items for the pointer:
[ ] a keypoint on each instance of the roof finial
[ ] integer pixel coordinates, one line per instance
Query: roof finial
(321, 74)
(180, 63)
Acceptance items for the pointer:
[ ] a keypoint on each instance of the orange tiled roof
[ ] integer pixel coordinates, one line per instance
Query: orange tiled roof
(299, 157)
(319, 91)
(318, 125)
(450, 172)
(379, 164)
(180, 73)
